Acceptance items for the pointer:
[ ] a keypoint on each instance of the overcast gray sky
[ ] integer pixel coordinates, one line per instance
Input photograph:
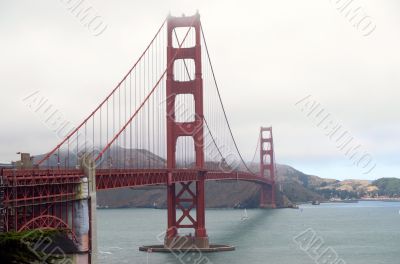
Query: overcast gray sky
(267, 56)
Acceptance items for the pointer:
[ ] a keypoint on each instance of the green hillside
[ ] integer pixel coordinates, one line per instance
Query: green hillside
(388, 186)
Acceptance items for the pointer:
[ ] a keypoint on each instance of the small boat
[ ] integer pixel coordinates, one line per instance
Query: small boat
(350, 201)
(347, 200)
(244, 216)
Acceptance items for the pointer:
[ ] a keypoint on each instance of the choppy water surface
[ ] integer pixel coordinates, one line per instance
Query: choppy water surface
(360, 233)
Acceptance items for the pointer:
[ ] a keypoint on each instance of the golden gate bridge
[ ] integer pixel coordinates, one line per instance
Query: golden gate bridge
(164, 123)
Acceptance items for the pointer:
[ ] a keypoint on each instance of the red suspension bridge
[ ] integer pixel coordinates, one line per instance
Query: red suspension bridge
(163, 124)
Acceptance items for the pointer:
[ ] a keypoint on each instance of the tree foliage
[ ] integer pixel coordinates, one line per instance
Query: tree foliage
(388, 186)
(19, 247)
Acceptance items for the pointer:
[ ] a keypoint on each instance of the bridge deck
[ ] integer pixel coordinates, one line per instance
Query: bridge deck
(118, 178)
(24, 187)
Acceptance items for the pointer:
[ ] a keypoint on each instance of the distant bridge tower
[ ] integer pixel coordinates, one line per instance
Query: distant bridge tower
(267, 167)
(185, 198)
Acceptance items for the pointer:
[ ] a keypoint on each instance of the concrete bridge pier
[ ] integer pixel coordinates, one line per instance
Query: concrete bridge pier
(84, 222)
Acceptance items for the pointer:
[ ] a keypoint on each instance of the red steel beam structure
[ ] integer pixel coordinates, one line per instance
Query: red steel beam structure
(194, 129)
(107, 179)
(33, 198)
(29, 194)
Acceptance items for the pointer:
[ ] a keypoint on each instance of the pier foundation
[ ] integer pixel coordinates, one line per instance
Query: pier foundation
(84, 222)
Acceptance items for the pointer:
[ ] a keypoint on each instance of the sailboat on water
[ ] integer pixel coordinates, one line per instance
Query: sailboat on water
(244, 216)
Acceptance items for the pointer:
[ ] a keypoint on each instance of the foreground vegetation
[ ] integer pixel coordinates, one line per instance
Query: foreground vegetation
(19, 247)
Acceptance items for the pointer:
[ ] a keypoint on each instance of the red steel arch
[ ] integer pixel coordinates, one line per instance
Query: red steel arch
(48, 222)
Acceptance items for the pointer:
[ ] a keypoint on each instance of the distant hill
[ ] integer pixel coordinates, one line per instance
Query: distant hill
(291, 188)
(114, 157)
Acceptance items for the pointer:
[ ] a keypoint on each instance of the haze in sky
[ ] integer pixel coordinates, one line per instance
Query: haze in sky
(268, 56)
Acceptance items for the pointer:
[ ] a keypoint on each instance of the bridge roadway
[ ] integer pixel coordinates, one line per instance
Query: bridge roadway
(49, 185)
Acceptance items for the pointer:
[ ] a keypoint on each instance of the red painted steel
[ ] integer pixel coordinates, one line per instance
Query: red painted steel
(49, 222)
(32, 193)
(44, 198)
(119, 178)
(189, 129)
(48, 155)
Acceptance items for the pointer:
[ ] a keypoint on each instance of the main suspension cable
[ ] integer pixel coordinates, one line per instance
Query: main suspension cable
(220, 99)
(145, 100)
(205, 121)
(105, 100)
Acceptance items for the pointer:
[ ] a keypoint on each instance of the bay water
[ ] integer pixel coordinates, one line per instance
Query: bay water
(358, 233)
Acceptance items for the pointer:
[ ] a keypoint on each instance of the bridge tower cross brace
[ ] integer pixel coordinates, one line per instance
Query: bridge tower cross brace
(175, 197)
(267, 164)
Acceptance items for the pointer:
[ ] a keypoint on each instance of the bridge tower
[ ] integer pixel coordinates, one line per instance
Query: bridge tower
(267, 167)
(190, 195)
